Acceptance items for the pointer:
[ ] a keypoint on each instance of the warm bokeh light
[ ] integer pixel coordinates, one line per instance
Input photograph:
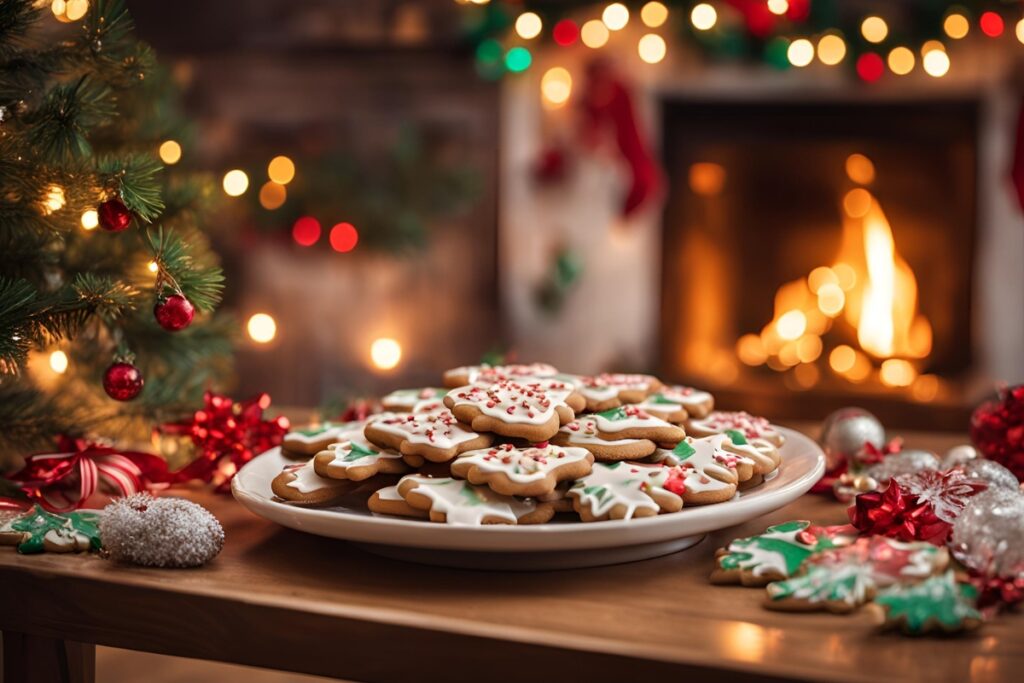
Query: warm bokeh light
(831, 49)
(170, 152)
(236, 182)
(842, 358)
(870, 67)
(59, 362)
(750, 350)
(529, 25)
(831, 299)
(262, 328)
(861, 368)
(896, 372)
(60, 10)
(703, 16)
(654, 14)
(90, 219)
(556, 86)
(874, 29)
(936, 63)
(806, 375)
(1019, 32)
(778, 7)
(565, 32)
(306, 231)
(820, 276)
(707, 178)
(76, 9)
(651, 48)
(272, 195)
(800, 52)
(281, 170)
(152, 267)
(991, 24)
(615, 16)
(929, 45)
(344, 237)
(594, 34)
(956, 26)
(857, 203)
(791, 324)
(901, 60)
(808, 348)
(925, 388)
(860, 169)
(385, 353)
(54, 199)
(846, 275)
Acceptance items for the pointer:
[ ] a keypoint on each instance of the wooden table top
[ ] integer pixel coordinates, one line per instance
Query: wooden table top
(282, 599)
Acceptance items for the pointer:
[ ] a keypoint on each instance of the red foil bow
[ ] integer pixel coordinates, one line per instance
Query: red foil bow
(997, 592)
(226, 435)
(64, 481)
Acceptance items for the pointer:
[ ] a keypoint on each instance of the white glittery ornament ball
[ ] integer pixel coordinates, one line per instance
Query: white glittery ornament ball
(988, 535)
(160, 532)
(907, 461)
(991, 472)
(959, 455)
(845, 432)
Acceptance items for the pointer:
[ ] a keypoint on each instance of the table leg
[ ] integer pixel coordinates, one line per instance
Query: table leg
(36, 659)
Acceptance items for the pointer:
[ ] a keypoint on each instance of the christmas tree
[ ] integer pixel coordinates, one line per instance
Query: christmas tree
(102, 260)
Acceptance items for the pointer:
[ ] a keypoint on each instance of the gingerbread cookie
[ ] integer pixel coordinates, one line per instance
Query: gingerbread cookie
(750, 426)
(414, 400)
(764, 454)
(471, 374)
(435, 436)
(630, 422)
(302, 444)
(301, 484)
(623, 490)
(704, 473)
(531, 410)
(531, 471)
(842, 579)
(559, 498)
(777, 553)
(583, 433)
(610, 390)
(38, 530)
(677, 403)
(356, 460)
(387, 501)
(939, 604)
(454, 501)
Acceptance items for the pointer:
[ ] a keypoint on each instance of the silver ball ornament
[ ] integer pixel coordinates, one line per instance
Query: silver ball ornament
(907, 461)
(845, 432)
(988, 535)
(959, 455)
(991, 472)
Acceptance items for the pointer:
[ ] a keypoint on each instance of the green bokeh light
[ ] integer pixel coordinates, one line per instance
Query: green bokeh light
(518, 59)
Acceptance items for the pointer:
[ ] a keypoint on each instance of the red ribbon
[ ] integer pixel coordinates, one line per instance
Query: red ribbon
(997, 592)
(65, 480)
(872, 454)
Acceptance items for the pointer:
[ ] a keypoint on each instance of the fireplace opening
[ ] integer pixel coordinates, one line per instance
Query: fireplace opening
(821, 253)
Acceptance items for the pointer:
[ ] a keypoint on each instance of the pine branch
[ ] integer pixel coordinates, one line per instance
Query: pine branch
(200, 283)
(138, 183)
(58, 128)
(16, 17)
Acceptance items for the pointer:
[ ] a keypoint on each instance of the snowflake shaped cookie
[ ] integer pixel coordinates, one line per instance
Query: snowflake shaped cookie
(454, 501)
(623, 490)
(531, 471)
(435, 436)
(531, 410)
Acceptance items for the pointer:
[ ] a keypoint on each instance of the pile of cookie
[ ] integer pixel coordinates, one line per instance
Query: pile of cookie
(516, 444)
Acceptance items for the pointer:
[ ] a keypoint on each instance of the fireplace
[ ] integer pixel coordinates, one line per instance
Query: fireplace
(820, 253)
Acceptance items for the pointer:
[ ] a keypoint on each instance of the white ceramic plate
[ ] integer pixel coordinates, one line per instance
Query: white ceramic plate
(541, 546)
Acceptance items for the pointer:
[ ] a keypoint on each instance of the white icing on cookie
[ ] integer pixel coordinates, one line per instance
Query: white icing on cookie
(701, 464)
(358, 452)
(607, 386)
(752, 427)
(529, 402)
(620, 483)
(495, 373)
(414, 400)
(390, 493)
(464, 503)
(523, 465)
(627, 417)
(438, 428)
(332, 431)
(668, 399)
(584, 431)
(306, 479)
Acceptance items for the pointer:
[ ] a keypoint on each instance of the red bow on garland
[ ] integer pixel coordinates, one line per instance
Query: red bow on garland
(64, 481)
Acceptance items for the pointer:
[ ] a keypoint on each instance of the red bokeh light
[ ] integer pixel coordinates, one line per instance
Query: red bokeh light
(306, 231)
(565, 32)
(992, 24)
(870, 67)
(344, 237)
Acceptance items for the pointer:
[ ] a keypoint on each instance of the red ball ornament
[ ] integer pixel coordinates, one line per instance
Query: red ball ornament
(114, 216)
(122, 381)
(997, 430)
(174, 312)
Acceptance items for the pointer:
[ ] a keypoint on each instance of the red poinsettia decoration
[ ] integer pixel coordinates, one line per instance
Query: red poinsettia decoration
(997, 429)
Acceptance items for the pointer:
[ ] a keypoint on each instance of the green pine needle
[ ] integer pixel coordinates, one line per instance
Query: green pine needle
(201, 284)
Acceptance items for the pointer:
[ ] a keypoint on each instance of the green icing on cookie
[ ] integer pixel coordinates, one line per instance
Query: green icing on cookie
(938, 600)
(778, 549)
(683, 450)
(358, 453)
(847, 584)
(471, 495)
(39, 522)
(660, 398)
(313, 431)
(736, 437)
(614, 414)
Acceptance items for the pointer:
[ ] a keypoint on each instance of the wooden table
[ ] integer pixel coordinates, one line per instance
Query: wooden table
(281, 599)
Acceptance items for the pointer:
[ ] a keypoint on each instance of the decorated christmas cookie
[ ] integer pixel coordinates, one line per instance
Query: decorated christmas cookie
(937, 604)
(301, 484)
(630, 422)
(609, 390)
(719, 422)
(623, 490)
(435, 436)
(414, 400)
(454, 501)
(677, 403)
(39, 530)
(531, 409)
(703, 475)
(583, 433)
(302, 444)
(777, 553)
(486, 374)
(708, 454)
(842, 579)
(531, 471)
(357, 459)
(387, 501)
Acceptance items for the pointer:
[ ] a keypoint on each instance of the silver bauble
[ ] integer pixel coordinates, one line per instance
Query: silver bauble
(988, 535)
(997, 476)
(958, 455)
(845, 432)
(907, 461)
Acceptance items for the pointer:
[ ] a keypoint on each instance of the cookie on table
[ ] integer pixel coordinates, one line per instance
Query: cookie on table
(630, 422)
(37, 531)
(777, 553)
(413, 400)
(387, 501)
(623, 490)
(677, 403)
(530, 471)
(610, 390)
(434, 436)
(471, 374)
(357, 459)
(939, 604)
(750, 426)
(301, 484)
(303, 444)
(582, 432)
(532, 409)
(454, 501)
